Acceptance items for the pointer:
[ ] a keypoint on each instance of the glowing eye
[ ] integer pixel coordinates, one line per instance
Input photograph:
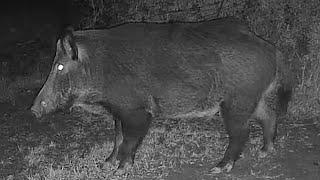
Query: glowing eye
(60, 67)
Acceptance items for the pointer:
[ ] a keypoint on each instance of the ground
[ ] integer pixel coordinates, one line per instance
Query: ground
(74, 145)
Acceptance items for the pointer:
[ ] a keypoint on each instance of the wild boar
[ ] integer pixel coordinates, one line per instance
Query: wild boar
(137, 71)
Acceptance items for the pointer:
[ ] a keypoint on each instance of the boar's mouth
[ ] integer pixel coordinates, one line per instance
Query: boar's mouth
(36, 113)
(44, 105)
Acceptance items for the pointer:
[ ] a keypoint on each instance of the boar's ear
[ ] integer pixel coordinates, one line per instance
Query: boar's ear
(68, 43)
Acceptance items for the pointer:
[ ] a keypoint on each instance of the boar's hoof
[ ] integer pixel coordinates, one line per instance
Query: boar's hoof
(223, 167)
(123, 169)
(265, 150)
(125, 162)
(113, 158)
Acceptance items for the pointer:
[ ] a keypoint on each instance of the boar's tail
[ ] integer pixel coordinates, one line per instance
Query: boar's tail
(287, 81)
(284, 96)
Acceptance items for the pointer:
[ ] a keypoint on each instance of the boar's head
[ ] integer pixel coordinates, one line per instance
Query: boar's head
(67, 77)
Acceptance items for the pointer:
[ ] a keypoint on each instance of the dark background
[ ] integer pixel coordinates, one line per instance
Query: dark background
(28, 27)
(28, 34)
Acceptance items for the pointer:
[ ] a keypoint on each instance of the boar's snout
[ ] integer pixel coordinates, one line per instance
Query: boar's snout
(36, 111)
(38, 107)
(41, 107)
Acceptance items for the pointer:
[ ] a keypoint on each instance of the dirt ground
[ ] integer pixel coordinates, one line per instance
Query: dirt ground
(297, 156)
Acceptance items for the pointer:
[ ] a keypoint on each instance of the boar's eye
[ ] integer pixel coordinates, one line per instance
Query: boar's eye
(60, 67)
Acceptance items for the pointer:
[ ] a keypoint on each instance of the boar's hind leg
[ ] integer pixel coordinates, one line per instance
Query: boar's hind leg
(272, 104)
(267, 115)
(134, 126)
(235, 111)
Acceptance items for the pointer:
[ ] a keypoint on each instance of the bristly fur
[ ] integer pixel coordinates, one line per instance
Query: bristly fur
(137, 71)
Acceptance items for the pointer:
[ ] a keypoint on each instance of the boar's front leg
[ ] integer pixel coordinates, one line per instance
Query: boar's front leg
(118, 139)
(131, 126)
